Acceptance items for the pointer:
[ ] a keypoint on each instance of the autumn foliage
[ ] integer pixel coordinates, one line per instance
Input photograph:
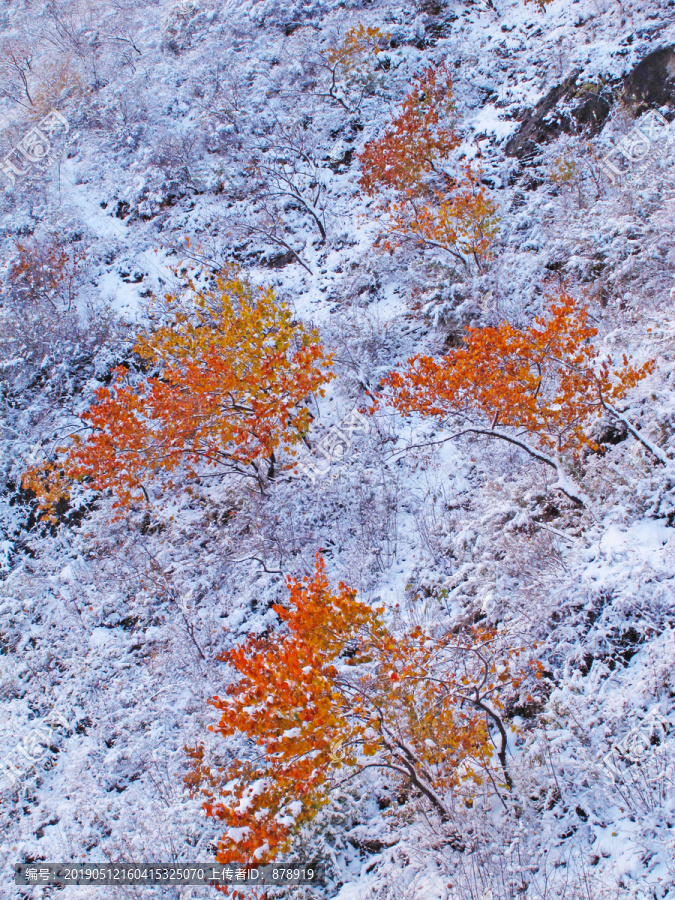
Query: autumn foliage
(336, 692)
(407, 169)
(350, 64)
(359, 43)
(46, 273)
(418, 140)
(228, 377)
(547, 381)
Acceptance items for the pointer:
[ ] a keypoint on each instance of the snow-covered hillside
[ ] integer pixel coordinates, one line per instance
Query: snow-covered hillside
(172, 123)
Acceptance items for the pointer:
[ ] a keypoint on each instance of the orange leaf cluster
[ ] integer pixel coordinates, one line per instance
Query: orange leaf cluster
(45, 272)
(425, 203)
(229, 376)
(337, 690)
(547, 380)
(464, 224)
(417, 142)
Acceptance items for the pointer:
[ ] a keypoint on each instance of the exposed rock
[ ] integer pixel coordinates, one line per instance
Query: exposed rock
(572, 107)
(568, 108)
(652, 81)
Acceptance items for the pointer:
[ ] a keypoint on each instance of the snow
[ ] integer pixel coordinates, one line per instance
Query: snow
(490, 121)
(120, 624)
(643, 537)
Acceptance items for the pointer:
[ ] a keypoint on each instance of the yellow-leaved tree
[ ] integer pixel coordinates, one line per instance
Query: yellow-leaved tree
(350, 65)
(227, 379)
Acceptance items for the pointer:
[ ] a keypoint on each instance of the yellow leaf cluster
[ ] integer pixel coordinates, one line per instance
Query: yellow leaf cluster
(228, 377)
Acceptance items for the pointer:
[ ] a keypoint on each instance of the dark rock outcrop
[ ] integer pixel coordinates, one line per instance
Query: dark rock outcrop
(572, 107)
(652, 81)
(568, 108)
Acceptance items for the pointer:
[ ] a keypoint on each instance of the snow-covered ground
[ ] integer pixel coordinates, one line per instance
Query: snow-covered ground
(113, 627)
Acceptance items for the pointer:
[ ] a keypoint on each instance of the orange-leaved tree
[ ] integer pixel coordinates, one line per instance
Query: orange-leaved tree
(46, 272)
(537, 387)
(229, 375)
(406, 170)
(418, 140)
(336, 692)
